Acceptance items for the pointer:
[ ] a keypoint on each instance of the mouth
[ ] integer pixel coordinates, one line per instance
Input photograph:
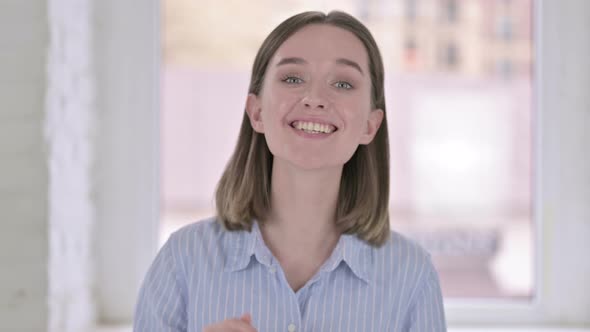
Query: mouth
(311, 127)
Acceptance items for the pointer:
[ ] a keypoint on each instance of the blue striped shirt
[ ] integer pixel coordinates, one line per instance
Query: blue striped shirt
(205, 274)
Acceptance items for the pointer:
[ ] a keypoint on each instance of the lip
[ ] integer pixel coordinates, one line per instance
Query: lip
(309, 135)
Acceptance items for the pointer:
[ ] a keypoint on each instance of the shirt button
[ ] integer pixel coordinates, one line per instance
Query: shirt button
(291, 328)
(272, 269)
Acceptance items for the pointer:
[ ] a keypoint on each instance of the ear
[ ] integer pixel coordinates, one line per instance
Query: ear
(373, 124)
(253, 109)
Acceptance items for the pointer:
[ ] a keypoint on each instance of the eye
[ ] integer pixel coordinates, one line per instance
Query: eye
(343, 85)
(292, 79)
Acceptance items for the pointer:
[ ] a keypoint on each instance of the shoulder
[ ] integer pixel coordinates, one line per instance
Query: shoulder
(403, 250)
(197, 231)
(402, 261)
(207, 234)
(414, 282)
(198, 242)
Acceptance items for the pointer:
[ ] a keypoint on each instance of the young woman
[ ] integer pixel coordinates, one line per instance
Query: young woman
(301, 240)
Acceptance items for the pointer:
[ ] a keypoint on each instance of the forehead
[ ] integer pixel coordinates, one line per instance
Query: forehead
(323, 42)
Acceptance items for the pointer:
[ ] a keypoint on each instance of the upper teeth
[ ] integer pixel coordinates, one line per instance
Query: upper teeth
(313, 127)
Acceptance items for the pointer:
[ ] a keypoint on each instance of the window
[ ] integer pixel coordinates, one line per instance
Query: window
(449, 56)
(450, 10)
(411, 10)
(504, 28)
(411, 53)
(504, 68)
(461, 149)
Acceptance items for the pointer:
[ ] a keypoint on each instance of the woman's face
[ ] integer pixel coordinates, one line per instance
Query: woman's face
(315, 104)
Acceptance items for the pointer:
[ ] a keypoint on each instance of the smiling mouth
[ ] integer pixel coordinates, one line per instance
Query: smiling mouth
(313, 127)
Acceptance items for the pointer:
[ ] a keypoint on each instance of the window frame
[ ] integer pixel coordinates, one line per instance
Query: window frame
(127, 51)
(552, 199)
(126, 237)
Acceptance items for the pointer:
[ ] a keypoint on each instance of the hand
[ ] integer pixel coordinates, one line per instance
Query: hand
(242, 324)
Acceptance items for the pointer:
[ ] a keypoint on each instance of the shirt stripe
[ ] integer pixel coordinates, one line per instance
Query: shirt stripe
(205, 274)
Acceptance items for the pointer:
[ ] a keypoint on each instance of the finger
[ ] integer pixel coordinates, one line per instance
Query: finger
(237, 325)
(246, 318)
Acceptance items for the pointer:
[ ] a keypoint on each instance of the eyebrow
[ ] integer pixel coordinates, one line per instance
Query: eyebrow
(350, 63)
(301, 61)
(286, 61)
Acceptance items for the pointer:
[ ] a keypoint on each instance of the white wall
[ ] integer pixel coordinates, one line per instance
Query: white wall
(69, 186)
(24, 175)
(69, 133)
(46, 107)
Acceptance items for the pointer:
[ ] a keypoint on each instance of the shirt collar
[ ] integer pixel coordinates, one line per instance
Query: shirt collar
(240, 246)
(355, 253)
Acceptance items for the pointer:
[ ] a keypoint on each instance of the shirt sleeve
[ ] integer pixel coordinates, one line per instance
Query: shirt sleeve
(161, 305)
(427, 314)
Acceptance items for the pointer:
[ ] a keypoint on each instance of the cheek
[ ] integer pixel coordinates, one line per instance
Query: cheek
(277, 105)
(357, 113)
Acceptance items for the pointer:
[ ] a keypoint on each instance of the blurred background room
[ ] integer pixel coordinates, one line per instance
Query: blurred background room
(117, 118)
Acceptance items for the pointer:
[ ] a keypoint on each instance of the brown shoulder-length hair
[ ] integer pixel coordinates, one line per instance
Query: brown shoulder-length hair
(243, 192)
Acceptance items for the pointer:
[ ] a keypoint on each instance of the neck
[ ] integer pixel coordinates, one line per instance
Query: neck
(303, 209)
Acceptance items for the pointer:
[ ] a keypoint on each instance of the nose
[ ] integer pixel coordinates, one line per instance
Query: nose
(314, 99)
(313, 103)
